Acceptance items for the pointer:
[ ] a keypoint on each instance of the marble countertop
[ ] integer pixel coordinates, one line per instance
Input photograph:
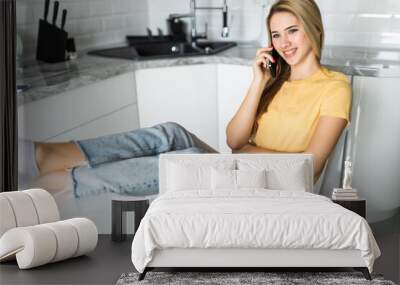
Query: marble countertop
(41, 80)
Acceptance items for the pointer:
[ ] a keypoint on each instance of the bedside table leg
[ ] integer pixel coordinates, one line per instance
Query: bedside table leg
(140, 211)
(116, 221)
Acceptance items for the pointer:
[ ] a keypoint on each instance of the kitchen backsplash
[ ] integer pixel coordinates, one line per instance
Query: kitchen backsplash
(347, 22)
(368, 23)
(91, 22)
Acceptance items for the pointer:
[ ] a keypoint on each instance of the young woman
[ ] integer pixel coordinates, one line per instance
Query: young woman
(306, 107)
(303, 109)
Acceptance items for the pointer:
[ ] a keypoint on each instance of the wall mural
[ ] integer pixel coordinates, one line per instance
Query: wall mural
(59, 150)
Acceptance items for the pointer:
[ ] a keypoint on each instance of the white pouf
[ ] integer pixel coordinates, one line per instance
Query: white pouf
(31, 232)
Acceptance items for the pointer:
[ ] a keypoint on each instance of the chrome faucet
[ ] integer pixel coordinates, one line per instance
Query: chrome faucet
(194, 35)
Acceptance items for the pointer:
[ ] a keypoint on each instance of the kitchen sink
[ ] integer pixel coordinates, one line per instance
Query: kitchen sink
(162, 49)
(166, 49)
(216, 46)
(135, 40)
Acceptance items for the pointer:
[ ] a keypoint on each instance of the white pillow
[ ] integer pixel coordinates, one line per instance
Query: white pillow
(251, 178)
(282, 174)
(287, 179)
(193, 172)
(223, 179)
(237, 179)
(187, 177)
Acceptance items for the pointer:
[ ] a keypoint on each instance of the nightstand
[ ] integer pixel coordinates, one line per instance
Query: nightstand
(358, 206)
(124, 203)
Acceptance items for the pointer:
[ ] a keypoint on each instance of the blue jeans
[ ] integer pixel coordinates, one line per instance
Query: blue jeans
(127, 163)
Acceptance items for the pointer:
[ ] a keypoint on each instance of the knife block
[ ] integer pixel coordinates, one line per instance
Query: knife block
(51, 43)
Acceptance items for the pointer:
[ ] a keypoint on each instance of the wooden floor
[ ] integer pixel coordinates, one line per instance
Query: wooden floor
(111, 259)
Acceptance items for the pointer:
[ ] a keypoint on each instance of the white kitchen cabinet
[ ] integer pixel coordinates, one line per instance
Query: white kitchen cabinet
(186, 95)
(233, 83)
(121, 120)
(56, 117)
(373, 146)
(373, 140)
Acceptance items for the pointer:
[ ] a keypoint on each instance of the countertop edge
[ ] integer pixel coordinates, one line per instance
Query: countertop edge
(46, 80)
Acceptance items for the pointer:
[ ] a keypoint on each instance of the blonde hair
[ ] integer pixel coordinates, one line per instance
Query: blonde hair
(309, 16)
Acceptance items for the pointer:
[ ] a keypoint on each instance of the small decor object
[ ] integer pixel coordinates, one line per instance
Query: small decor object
(346, 192)
(348, 175)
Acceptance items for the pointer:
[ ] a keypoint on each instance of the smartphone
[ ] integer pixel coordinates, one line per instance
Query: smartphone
(272, 65)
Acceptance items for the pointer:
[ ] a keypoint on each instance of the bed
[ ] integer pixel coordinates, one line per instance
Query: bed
(247, 210)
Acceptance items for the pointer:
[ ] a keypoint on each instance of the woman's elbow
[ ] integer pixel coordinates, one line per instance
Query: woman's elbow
(235, 138)
(234, 145)
(233, 141)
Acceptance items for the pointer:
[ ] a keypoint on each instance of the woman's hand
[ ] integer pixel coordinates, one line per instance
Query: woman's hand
(240, 126)
(260, 70)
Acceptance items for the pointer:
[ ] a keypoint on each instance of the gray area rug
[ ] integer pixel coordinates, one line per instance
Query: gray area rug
(230, 278)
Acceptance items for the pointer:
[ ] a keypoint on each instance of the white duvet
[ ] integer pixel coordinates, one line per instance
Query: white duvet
(252, 218)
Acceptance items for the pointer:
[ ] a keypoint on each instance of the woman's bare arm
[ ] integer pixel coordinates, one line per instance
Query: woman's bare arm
(323, 141)
(239, 128)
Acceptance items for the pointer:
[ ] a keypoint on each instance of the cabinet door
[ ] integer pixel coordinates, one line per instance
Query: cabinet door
(44, 119)
(182, 94)
(373, 146)
(123, 120)
(233, 83)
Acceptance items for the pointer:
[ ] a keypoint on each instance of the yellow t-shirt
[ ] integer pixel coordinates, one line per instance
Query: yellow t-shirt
(293, 114)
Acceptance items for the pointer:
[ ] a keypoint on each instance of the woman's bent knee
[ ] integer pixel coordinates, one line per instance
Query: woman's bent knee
(174, 126)
(177, 130)
(177, 136)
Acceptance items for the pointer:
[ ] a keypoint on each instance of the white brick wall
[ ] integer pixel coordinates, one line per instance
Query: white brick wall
(91, 22)
(370, 23)
(244, 17)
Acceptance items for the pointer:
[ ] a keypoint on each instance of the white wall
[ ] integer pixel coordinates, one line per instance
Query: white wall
(374, 23)
(370, 23)
(91, 22)
(347, 22)
(244, 17)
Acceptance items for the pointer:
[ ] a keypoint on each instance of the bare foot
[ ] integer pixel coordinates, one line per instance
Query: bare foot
(52, 157)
